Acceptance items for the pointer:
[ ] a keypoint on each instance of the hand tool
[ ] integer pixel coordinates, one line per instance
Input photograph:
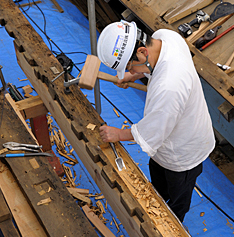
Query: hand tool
(119, 161)
(90, 72)
(223, 67)
(12, 155)
(223, 9)
(14, 146)
(185, 29)
(208, 36)
(226, 67)
(216, 38)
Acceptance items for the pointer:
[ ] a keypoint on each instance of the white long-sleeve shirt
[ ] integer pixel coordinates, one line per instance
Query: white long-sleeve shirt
(176, 130)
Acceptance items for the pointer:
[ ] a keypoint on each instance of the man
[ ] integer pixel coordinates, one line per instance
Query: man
(176, 130)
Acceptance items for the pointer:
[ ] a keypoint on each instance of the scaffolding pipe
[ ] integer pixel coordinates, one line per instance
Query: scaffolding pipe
(93, 42)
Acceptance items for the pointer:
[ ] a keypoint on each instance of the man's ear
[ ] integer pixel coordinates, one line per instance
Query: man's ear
(143, 50)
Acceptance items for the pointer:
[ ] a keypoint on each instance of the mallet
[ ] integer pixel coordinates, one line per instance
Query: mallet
(90, 72)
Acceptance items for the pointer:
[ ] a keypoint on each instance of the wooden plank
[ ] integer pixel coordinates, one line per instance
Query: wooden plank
(31, 107)
(23, 215)
(161, 7)
(73, 113)
(8, 229)
(184, 9)
(4, 210)
(17, 111)
(147, 14)
(83, 191)
(227, 111)
(97, 222)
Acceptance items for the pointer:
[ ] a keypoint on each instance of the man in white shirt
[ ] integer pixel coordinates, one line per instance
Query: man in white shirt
(176, 130)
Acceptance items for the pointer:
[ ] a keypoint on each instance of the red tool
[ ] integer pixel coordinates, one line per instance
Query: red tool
(216, 38)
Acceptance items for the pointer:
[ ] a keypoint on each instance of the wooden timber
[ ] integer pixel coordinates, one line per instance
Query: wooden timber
(36, 178)
(73, 113)
(6, 224)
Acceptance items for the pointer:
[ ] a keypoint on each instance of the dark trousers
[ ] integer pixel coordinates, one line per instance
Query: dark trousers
(175, 187)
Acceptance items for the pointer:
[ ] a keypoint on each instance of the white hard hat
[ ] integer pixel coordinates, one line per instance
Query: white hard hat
(116, 44)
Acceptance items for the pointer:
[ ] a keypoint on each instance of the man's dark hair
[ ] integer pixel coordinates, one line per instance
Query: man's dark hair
(139, 43)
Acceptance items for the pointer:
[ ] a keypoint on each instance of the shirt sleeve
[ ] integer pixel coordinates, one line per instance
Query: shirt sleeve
(162, 113)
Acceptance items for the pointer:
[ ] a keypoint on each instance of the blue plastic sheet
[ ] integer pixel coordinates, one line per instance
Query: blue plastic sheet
(70, 32)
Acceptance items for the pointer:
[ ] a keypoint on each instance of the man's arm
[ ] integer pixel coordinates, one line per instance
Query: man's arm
(112, 134)
(128, 77)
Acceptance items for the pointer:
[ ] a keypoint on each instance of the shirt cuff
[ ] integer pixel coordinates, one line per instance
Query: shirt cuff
(139, 140)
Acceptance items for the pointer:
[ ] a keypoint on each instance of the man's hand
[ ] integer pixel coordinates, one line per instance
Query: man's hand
(109, 134)
(112, 134)
(128, 77)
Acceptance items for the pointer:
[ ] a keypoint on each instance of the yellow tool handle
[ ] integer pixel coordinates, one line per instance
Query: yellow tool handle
(107, 77)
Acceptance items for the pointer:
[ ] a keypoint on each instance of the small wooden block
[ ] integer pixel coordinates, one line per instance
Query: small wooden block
(34, 163)
(8, 229)
(44, 201)
(79, 196)
(227, 110)
(91, 126)
(27, 89)
(83, 191)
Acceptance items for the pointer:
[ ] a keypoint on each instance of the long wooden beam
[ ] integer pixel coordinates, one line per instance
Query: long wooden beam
(73, 112)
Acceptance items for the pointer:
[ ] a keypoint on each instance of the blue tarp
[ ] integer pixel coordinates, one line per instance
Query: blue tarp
(70, 31)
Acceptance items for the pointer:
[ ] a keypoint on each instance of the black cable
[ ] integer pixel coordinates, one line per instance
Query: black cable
(79, 63)
(71, 52)
(48, 38)
(214, 204)
(44, 23)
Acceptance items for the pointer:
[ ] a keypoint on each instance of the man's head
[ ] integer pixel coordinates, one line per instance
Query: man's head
(118, 44)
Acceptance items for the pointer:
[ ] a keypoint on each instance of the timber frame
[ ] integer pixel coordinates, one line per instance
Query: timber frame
(73, 112)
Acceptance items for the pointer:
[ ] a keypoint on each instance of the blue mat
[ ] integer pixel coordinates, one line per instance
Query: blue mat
(70, 31)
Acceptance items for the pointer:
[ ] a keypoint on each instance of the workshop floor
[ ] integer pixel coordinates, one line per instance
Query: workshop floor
(74, 41)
